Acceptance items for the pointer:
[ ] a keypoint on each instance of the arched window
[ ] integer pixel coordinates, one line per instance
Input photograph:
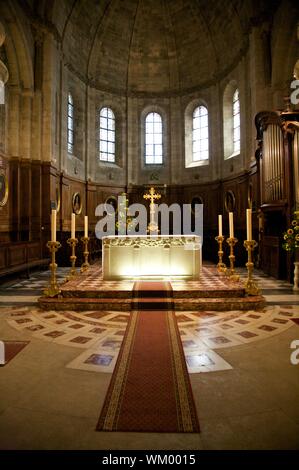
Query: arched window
(236, 122)
(231, 121)
(70, 124)
(107, 135)
(200, 134)
(153, 139)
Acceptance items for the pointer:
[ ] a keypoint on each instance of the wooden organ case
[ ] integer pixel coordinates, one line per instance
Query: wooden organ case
(278, 164)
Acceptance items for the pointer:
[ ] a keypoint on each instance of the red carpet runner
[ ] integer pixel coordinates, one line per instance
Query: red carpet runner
(150, 389)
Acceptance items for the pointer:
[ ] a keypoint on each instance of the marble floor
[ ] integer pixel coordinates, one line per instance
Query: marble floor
(98, 335)
(245, 387)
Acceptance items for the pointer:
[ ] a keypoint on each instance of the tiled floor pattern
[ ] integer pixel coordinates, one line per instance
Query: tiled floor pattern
(27, 291)
(93, 281)
(99, 334)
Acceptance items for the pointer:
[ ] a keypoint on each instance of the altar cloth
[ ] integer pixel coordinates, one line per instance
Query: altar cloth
(148, 256)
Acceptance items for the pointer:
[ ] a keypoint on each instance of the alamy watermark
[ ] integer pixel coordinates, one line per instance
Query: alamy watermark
(133, 220)
(295, 354)
(294, 96)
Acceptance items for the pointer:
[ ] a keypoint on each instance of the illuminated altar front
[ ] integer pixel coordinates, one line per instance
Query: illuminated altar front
(148, 256)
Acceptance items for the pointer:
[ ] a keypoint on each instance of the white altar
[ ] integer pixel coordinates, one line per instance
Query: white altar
(148, 256)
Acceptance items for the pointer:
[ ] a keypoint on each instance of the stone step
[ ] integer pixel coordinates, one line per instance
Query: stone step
(150, 303)
(177, 294)
(179, 304)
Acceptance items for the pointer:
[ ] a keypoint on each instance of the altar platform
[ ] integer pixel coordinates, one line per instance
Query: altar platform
(88, 291)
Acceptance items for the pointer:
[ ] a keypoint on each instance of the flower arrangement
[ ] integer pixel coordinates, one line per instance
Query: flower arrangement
(291, 236)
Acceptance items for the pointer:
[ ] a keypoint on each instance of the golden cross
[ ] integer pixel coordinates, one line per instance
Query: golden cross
(152, 195)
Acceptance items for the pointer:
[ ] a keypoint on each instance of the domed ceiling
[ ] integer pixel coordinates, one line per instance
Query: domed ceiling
(153, 46)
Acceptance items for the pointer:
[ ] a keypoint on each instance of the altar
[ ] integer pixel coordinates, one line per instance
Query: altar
(148, 256)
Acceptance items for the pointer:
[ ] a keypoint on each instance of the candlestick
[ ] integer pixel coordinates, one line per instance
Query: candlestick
(73, 226)
(220, 225)
(231, 224)
(86, 226)
(251, 287)
(220, 266)
(86, 264)
(260, 234)
(53, 288)
(72, 242)
(231, 271)
(249, 224)
(53, 225)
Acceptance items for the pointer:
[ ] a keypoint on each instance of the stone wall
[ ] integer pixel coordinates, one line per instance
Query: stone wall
(106, 54)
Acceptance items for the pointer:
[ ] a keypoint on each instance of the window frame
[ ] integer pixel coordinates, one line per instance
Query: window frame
(70, 116)
(231, 95)
(236, 142)
(200, 128)
(107, 129)
(154, 144)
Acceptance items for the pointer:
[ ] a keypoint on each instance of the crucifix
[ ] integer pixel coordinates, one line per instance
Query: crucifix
(152, 195)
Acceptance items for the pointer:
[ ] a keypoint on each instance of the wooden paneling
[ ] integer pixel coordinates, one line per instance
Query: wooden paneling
(4, 210)
(34, 188)
(273, 257)
(36, 198)
(17, 254)
(3, 261)
(20, 256)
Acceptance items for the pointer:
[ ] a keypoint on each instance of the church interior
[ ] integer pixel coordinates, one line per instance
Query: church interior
(170, 342)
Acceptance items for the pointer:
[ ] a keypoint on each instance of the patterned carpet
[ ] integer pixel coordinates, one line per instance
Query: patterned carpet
(150, 390)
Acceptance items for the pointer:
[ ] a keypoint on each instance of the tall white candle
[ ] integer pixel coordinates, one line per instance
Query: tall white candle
(220, 225)
(86, 226)
(73, 226)
(231, 224)
(53, 225)
(249, 224)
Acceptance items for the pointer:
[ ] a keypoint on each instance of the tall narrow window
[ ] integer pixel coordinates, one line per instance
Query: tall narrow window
(200, 134)
(107, 135)
(236, 122)
(153, 139)
(70, 124)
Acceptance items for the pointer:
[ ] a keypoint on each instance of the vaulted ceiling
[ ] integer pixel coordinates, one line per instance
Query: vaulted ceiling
(157, 46)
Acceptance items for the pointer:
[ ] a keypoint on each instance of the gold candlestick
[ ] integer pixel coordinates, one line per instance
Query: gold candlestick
(231, 271)
(220, 266)
(251, 287)
(53, 288)
(86, 264)
(72, 242)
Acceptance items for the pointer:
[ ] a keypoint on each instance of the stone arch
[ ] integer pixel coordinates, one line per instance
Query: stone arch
(285, 45)
(18, 46)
